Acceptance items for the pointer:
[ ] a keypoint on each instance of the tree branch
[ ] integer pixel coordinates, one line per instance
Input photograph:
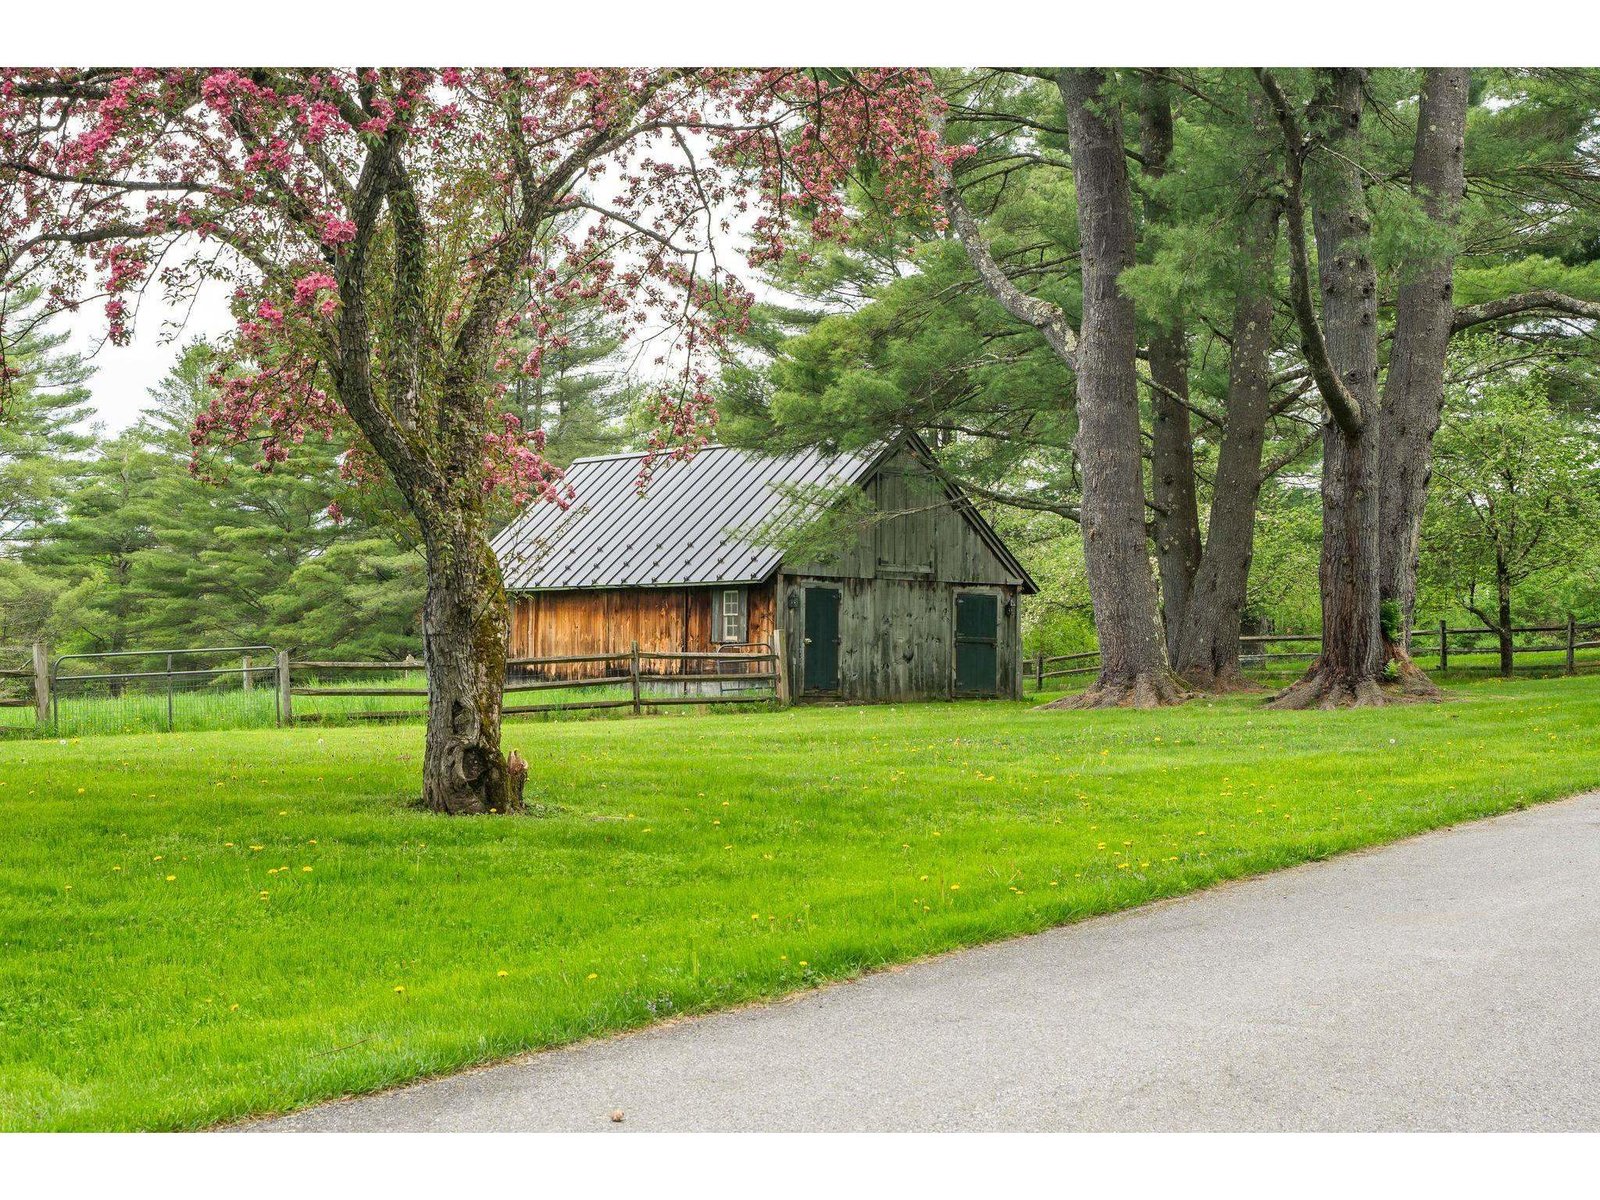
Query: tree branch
(1038, 314)
(1469, 315)
(1341, 401)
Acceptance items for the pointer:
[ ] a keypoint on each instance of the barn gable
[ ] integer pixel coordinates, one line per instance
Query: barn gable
(925, 529)
(686, 529)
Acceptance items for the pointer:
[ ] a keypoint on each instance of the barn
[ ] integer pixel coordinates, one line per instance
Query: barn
(915, 597)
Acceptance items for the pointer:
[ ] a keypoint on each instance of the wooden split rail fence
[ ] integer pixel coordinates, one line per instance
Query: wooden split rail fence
(38, 673)
(1574, 636)
(755, 676)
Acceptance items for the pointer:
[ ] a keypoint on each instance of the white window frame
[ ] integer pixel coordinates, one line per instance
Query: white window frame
(732, 606)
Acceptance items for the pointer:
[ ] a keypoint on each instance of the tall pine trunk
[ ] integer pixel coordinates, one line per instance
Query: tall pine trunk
(1133, 660)
(1350, 666)
(1413, 394)
(1208, 642)
(1176, 519)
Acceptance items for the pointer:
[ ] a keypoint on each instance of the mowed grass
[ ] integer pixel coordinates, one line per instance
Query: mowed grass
(200, 927)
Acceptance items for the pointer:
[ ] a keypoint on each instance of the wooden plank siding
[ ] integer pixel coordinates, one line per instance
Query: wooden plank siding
(897, 637)
(918, 533)
(898, 585)
(608, 621)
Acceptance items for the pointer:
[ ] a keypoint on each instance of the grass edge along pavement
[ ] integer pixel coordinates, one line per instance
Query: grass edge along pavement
(146, 981)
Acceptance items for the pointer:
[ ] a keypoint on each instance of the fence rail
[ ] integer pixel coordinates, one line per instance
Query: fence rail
(586, 682)
(126, 691)
(1440, 643)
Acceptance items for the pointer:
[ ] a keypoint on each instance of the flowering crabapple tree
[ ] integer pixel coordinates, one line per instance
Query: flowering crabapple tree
(398, 242)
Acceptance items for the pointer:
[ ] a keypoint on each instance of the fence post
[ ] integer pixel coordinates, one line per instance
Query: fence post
(41, 685)
(1572, 644)
(634, 671)
(1444, 646)
(285, 696)
(246, 674)
(781, 667)
(169, 693)
(1038, 684)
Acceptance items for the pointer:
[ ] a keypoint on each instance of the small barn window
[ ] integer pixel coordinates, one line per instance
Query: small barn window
(731, 615)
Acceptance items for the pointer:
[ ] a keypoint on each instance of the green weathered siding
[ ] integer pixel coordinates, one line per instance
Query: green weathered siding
(898, 587)
(897, 637)
(918, 534)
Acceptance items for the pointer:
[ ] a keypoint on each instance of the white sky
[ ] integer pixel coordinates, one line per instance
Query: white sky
(124, 375)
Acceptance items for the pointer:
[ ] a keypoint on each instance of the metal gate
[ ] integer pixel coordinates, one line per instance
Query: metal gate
(196, 687)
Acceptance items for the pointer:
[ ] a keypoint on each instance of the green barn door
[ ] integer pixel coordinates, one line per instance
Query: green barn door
(822, 639)
(977, 637)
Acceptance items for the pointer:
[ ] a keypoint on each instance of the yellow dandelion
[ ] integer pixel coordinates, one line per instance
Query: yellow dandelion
(306, 869)
(116, 868)
(263, 895)
(258, 847)
(955, 887)
(399, 987)
(502, 974)
(170, 878)
(592, 975)
(227, 843)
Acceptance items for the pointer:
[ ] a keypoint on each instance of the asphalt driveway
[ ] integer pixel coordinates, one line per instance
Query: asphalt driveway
(1447, 982)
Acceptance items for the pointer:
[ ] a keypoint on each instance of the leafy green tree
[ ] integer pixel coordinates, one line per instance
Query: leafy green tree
(1515, 506)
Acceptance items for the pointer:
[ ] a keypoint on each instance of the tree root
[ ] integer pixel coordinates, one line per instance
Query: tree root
(1148, 690)
(1320, 689)
(1413, 680)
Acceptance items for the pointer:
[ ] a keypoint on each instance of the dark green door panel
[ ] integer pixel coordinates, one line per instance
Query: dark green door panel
(822, 639)
(977, 637)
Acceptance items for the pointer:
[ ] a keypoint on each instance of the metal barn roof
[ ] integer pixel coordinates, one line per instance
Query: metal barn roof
(677, 533)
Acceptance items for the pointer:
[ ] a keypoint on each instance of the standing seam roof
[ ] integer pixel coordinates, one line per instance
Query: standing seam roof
(684, 530)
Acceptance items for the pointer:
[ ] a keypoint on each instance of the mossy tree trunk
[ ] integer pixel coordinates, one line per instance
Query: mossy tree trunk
(465, 624)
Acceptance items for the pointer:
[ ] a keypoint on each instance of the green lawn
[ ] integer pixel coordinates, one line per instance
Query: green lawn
(197, 927)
